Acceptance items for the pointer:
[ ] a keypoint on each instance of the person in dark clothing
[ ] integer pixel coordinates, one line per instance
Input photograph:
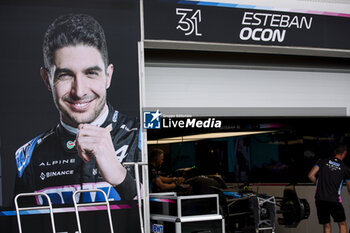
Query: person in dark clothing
(157, 182)
(331, 174)
(92, 140)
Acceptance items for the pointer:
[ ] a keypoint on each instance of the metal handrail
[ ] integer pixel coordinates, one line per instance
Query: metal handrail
(49, 206)
(77, 205)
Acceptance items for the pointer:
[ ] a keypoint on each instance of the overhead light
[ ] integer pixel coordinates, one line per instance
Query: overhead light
(197, 137)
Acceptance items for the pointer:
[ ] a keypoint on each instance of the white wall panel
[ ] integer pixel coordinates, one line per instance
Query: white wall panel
(232, 88)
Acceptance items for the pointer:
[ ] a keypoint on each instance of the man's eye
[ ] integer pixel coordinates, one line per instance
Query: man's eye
(92, 73)
(63, 76)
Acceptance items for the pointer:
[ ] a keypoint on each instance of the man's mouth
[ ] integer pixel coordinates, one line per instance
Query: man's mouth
(79, 106)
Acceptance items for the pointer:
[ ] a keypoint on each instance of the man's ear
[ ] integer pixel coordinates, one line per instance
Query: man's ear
(109, 73)
(44, 73)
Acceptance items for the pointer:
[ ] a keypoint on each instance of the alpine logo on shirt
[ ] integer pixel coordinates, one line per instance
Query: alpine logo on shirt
(122, 152)
(56, 162)
(333, 165)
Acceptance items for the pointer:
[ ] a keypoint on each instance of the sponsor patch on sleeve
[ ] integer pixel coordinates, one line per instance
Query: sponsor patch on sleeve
(24, 153)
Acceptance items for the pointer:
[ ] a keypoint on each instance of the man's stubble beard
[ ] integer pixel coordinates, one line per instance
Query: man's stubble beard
(74, 121)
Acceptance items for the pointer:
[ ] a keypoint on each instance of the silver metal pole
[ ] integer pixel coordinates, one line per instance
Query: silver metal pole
(223, 224)
(178, 227)
(137, 178)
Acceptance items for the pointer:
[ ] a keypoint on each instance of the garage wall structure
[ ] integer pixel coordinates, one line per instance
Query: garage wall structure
(249, 59)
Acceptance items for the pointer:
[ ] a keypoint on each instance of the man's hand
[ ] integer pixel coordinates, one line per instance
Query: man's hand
(179, 180)
(96, 141)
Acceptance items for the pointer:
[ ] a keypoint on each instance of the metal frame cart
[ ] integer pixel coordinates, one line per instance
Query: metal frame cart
(179, 210)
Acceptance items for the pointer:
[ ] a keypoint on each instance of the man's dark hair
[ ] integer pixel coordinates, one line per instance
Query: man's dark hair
(340, 149)
(72, 30)
(155, 153)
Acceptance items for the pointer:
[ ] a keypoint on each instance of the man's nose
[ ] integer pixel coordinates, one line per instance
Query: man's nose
(79, 86)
